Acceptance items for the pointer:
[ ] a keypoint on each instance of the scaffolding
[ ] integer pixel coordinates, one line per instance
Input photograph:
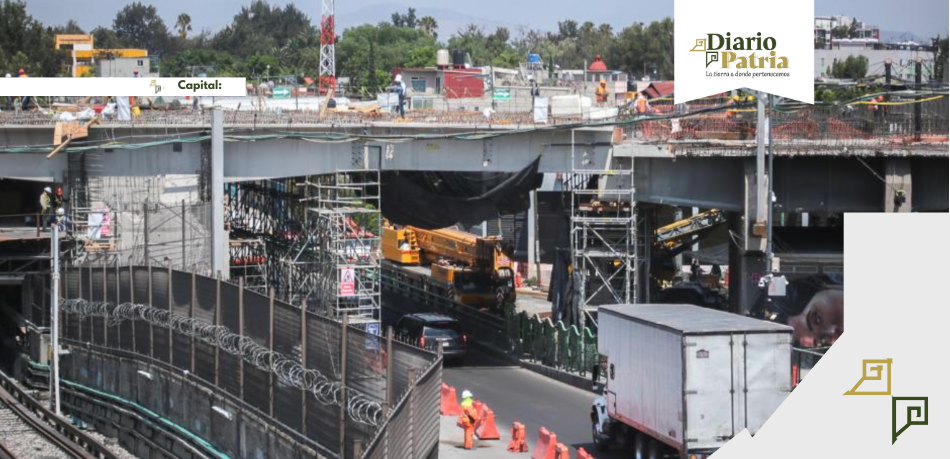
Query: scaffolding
(249, 260)
(604, 234)
(345, 232)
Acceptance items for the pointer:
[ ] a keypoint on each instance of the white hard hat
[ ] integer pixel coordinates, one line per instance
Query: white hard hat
(399, 78)
(48, 190)
(60, 212)
(530, 77)
(467, 394)
(9, 76)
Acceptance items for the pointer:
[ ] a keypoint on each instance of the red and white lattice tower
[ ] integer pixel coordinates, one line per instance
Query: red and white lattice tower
(327, 45)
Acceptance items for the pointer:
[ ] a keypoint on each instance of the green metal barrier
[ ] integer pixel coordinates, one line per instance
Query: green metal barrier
(551, 344)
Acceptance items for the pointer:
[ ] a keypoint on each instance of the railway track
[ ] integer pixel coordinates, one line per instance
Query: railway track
(29, 430)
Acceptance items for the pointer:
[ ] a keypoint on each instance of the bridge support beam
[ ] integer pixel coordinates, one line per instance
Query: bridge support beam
(219, 236)
(899, 185)
(747, 261)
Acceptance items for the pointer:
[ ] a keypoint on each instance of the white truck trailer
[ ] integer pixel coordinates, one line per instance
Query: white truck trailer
(682, 380)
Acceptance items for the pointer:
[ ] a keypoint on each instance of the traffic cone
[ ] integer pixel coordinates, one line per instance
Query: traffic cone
(487, 430)
(561, 451)
(450, 403)
(583, 454)
(517, 443)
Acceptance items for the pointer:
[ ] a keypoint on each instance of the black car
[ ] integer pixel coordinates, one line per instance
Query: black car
(428, 330)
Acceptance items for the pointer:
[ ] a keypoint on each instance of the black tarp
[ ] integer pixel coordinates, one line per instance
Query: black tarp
(433, 200)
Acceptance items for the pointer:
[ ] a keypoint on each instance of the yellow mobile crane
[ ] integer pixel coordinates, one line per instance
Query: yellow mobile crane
(469, 269)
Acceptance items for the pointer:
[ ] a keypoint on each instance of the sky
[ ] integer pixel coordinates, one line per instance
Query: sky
(924, 18)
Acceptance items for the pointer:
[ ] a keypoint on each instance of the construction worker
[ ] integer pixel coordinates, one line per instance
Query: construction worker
(602, 92)
(535, 91)
(469, 419)
(26, 99)
(46, 203)
(400, 89)
(642, 105)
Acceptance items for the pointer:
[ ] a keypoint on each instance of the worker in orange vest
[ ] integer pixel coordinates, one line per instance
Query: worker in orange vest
(602, 92)
(469, 419)
(642, 105)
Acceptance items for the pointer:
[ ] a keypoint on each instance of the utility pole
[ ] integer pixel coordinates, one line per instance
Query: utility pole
(54, 318)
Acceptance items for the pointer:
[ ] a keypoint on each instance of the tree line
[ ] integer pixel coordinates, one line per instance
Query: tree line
(268, 40)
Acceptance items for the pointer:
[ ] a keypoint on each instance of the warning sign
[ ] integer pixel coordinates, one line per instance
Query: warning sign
(347, 282)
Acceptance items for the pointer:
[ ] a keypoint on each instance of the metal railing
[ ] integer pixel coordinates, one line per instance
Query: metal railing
(309, 375)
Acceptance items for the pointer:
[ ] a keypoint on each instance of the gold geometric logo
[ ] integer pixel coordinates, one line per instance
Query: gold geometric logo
(700, 45)
(873, 370)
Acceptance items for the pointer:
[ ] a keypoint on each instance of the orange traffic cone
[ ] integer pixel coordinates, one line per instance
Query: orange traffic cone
(487, 430)
(583, 454)
(450, 403)
(561, 451)
(517, 443)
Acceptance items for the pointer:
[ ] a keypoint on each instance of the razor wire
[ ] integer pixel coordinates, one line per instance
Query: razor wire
(359, 406)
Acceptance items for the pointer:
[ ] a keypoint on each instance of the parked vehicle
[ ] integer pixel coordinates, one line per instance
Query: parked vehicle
(429, 330)
(682, 380)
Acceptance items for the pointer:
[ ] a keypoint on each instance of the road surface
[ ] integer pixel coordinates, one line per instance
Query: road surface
(516, 394)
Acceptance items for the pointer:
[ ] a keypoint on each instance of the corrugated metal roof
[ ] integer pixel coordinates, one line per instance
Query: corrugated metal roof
(688, 319)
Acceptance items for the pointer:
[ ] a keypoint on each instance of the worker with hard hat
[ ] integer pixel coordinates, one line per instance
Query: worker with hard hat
(46, 202)
(535, 91)
(400, 89)
(602, 92)
(642, 105)
(26, 99)
(469, 419)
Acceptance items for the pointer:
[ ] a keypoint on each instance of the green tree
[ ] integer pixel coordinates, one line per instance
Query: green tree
(261, 66)
(183, 24)
(71, 27)
(140, 26)
(106, 38)
(367, 54)
(640, 49)
(941, 54)
(429, 25)
(852, 68)
(406, 20)
(485, 49)
(197, 60)
(25, 43)
(260, 28)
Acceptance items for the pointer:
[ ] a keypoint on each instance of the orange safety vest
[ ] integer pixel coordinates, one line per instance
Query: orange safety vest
(469, 417)
(641, 105)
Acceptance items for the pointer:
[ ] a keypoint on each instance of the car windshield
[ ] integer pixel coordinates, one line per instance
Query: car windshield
(442, 330)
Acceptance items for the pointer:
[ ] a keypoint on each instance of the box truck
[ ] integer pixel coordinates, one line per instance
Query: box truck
(682, 380)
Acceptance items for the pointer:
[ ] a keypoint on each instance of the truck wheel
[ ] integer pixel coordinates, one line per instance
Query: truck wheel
(654, 450)
(602, 444)
(639, 446)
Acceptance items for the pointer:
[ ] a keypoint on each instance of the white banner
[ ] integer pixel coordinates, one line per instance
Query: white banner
(139, 87)
(766, 46)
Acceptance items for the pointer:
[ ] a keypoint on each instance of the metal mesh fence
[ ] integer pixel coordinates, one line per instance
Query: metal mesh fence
(247, 344)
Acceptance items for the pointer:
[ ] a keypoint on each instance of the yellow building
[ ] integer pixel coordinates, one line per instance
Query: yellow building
(85, 57)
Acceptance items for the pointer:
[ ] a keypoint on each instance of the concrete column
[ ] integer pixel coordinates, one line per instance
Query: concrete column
(678, 260)
(219, 236)
(532, 230)
(898, 180)
(748, 263)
